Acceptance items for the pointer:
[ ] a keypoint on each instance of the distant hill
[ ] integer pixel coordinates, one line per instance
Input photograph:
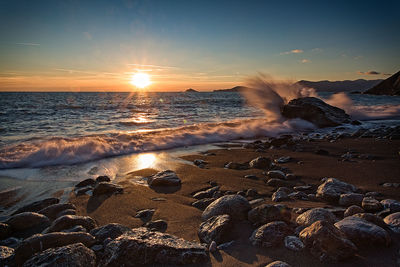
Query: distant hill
(390, 86)
(190, 90)
(340, 86)
(234, 89)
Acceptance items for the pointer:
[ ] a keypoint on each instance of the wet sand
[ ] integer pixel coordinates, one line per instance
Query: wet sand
(184, 220)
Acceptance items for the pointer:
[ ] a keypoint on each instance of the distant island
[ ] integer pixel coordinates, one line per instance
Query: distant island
(191, 90)
(234, 89)
(390, 86)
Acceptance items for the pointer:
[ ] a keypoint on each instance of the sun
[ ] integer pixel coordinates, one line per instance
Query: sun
(140, 80)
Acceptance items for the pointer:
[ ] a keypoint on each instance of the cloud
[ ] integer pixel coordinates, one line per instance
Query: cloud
(30, 44)
(152, 66)
(294, 51)
(305, 61)
(371, 72)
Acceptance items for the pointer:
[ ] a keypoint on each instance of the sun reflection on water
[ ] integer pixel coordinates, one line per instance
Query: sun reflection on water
(146, 160)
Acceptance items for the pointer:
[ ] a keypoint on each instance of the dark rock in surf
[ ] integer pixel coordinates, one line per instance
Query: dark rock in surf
(86, 182)
(144, 247)
(75, 255)
(316, 111)
(103, 178)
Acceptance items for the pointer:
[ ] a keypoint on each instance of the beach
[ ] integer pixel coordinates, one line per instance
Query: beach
(183, 219)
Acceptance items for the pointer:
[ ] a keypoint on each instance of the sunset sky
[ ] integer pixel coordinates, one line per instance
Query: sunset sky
(205, 45)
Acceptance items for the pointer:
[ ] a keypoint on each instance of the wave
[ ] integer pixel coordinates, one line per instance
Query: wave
(67, 151)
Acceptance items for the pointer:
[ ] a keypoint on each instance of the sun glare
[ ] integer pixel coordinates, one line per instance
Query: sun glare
(145, 160)
(140, 80)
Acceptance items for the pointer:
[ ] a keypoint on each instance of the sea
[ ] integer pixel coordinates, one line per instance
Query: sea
(50, 140)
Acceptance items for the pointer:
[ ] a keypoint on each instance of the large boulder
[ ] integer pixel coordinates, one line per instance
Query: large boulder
(270, 234)
(234, 205)
(362, 232)
(317, 214)
(316, 111)
(40, 242)
(331, 189)
(27, 220)
(266, 213)
(215, 229)
(75, 255)
(69, 221)
(144, 247)
(327, 242)
(38, 205)
(164, 178)
(111, 230)
(350, 199)
(53, 210)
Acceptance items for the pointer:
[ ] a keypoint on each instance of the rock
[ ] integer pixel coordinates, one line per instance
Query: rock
(370, 204)
(276, 174)
(278, 264)
(199, 162)
(105, 188)
(274, 182)
(266, 213)
(40, 242)
(350, 199)
(251, 193)
(283, 160)
(270, 234)
(327, 242)
(53, 210)
(304, 188)
(236, 166)
(373, 194)
(6, 254)
(206, 193)
(202, 204)
(66, 212)
(111, 230)
(226, 245)
(75, 229)
(393, 221)
(317, 214)
(316, 111)
(279, 196)
(11, 242)
(260, 163)
(215, 229)
(143, 247)
(391, 204)
(212, 247)
(103, 178)
(256, 201)
(362, 232)
(86, 182)
(159, 225)
(69, 221)
(37, 205)
(298, 196)
(83, 190)
(251, 176)
(145, 215)
(5, 231)
(234, 205)
(353, 210)
(75, 255)
(164, 178)
(27, 220)
(332, 188)
(293, 243)
(372, 218)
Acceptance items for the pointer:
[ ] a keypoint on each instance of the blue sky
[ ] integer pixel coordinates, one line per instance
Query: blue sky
(98, 45)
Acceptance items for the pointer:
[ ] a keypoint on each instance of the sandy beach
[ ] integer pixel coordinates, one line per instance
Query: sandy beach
(377, 163)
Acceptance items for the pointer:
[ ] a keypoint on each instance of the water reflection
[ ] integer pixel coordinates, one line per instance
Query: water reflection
(147, 160)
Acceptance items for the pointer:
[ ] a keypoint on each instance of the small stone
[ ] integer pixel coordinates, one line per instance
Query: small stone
(293, 243)
(260, 163)
(350, 199)
(69, 221)
(37, 205)
(270, 234)
(250, 176)
(370, 204)
(280, 196)
(105, 188)
(86, 182)
(234, 205)
(145, 215)
(164, 178)
(353, 210)
(251, 193)
(316, 214)
(202, 204)
(206, 193)
(278, 264)
(283, 160)
(159, 225)
(276, 174)
(212, 247)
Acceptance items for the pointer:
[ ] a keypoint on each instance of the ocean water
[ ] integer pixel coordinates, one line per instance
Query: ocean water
(48, 129)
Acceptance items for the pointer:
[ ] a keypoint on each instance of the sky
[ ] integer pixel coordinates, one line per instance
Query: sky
(75, 45)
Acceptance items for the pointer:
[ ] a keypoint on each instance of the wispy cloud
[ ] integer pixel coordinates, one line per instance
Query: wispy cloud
(152, 66)
(29, 44)
(305, 61)
(371, 72)
(294, 51)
